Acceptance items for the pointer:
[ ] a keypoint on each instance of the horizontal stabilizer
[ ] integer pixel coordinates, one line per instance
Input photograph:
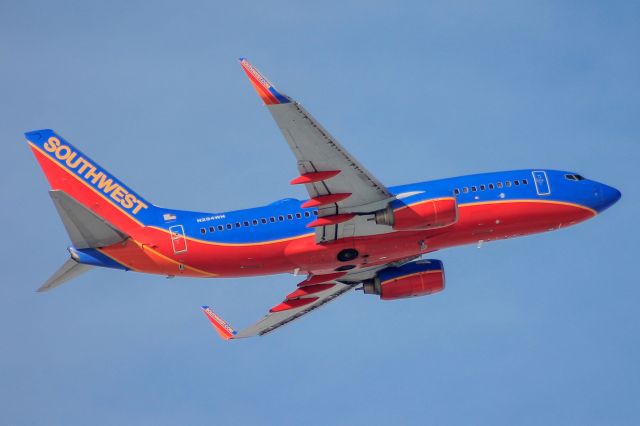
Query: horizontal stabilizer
(85, 228)
(69, 270)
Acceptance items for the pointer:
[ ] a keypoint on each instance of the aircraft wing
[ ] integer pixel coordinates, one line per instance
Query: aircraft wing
(338, 185)
(312, 293)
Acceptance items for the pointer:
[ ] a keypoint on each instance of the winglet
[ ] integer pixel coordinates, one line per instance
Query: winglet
(266, 91)
(224, 330)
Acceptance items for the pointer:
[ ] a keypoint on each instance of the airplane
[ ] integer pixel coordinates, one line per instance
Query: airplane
(353, 232)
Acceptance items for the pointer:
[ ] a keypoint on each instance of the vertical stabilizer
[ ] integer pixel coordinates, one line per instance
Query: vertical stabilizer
(81, 178)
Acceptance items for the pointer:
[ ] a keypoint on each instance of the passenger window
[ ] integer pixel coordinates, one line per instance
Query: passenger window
(245, 223)
(272, 219)
(212, 229)
(456, 191)
(220, 228)
(465, 189)
(298, 216)
(289, 216)
(490, 186)
(499, 184)
(516, 182)
(507, 184)
(482, 187)
(229, 226)
(525, 182)
(474, 189)
(306, 214)
(315, 212)
(203, 231)
(263, 220)
(238, 225)
(255, 222)
(280, 218)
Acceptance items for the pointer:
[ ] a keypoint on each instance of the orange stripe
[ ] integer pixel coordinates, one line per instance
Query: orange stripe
(524, 200)
(149, 252)
(564, 203)
(213, 243)
(175, 262)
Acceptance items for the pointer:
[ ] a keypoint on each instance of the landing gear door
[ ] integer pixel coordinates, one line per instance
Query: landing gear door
(178, 240)
(541, 181)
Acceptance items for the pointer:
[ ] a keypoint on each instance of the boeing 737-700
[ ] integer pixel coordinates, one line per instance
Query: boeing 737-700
(352, 231)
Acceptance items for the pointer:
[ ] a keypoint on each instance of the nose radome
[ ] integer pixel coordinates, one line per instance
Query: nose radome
(609, 195)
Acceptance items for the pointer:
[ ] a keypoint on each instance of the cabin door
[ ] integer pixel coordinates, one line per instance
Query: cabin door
(178, 240)
(542, 182)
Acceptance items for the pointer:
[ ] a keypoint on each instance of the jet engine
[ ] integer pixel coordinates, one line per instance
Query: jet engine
(412, 279)
(404, 215)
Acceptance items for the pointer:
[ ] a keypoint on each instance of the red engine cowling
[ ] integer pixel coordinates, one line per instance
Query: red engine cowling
(409, 280)
(426, 214)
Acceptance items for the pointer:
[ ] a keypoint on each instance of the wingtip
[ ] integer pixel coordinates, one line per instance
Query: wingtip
(225, 331)
(265, 89)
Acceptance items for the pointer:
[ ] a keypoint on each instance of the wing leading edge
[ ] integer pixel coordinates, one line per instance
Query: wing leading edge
(310, 295)
(337, 183)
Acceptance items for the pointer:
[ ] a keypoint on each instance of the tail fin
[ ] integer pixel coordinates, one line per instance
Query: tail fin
(81, 179)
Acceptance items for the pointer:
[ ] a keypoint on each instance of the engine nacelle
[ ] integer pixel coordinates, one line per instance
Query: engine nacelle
(403, 215)
(412, 279)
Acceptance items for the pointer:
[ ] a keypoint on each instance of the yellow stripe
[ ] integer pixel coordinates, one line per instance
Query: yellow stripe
(214, 243)
(85, 183)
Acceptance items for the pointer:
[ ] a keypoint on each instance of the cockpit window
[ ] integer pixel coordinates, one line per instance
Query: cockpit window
(573, 177)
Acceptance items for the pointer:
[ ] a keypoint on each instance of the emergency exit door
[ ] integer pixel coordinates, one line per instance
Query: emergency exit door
(178, 240)
(542, 182)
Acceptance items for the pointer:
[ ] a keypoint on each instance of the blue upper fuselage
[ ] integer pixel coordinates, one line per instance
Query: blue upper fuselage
(285, 218)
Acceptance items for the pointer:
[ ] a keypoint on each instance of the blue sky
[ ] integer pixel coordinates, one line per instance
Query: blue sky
(539, 330)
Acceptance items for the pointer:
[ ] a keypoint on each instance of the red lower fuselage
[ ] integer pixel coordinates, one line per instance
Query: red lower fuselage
(151, 251)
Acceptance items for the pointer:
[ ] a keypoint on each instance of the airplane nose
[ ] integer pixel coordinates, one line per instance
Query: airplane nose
(608, 197)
